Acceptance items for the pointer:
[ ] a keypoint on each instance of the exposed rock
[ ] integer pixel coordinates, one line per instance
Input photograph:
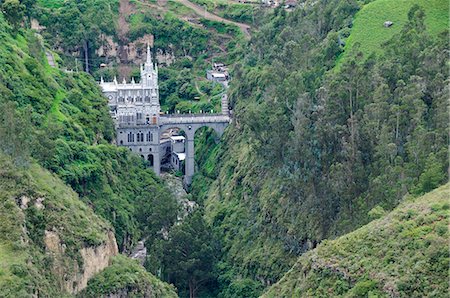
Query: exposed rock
(23, 201)
(94, 259)
(388, 24)
(39, 203)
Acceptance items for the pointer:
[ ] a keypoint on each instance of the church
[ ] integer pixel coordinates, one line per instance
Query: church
(139, 123)
(135, 109)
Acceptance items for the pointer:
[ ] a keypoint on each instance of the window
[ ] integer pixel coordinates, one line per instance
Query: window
(142, 136)
(130, 137)
(121, 142)
(138, 137)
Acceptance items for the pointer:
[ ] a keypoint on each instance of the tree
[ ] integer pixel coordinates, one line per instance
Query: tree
(14, 12)
(190, 254)
(15, 134)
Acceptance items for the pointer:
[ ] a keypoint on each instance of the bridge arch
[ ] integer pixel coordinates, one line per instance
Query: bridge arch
(190, 128)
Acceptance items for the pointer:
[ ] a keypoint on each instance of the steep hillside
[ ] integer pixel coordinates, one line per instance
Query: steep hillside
(402, 254)
(62, 120)
(51, 243)
(66, 193)
(313, 149)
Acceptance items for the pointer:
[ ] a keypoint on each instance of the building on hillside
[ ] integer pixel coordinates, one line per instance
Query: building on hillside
(136, 110)
(144, 130)
(216, 76)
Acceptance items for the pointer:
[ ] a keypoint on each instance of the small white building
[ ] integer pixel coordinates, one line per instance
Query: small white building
(216, 76)
(177, 160)
(178, 154)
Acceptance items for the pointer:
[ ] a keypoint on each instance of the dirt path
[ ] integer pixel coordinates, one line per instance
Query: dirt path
(213, 17)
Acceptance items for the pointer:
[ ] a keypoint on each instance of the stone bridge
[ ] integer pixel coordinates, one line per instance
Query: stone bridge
(189, 124)
(136, 111)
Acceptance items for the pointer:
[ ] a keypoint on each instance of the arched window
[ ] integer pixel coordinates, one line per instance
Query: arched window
(130, 137)
(121, 142)
(151, 160)
(142, 136)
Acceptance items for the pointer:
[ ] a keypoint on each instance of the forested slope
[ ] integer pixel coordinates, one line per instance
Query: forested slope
(402, 254)
(61, 179)
(314, 148)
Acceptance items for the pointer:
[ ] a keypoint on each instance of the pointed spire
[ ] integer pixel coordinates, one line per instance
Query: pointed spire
(132, 80)
(149, 54)
(115, 80)
(101, 80)
(124, 82)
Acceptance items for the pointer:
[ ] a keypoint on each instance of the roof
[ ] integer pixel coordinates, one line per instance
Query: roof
(177, 138)
(218, 75)
(181, 156)
(108, 87)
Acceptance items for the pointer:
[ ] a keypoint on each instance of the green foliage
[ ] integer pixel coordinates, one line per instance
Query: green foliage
(33, 202)
(313, 149)
(63, 121)
(229, 10)
(72, 27)
(126, 276)
(14, 12)
(189, 255)
(368, 30)
(395, 255)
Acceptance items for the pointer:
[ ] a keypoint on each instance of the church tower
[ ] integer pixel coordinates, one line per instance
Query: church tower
(150, 88)
(149, 72)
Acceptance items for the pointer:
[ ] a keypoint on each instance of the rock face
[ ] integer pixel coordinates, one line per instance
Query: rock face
(94, 259)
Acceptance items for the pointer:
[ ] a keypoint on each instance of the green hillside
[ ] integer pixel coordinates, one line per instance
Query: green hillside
(368, 26)
(403, 254)
(127, 277)
(34, 202)
(313, 149)
(66, 193)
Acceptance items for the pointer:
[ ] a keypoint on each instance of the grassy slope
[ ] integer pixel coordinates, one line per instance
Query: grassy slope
(23, 265)
(368, 29)
(403, 254)
(127, 275)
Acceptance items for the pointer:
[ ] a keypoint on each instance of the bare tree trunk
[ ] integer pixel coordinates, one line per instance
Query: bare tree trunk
(191, 289)
(86, 55)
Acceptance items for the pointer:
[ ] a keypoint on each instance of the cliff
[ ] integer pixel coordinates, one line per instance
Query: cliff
(51, 242)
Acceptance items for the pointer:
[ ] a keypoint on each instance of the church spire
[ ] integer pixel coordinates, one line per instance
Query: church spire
(149, 55)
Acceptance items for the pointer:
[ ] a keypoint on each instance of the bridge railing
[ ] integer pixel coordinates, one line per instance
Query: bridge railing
(190, 115)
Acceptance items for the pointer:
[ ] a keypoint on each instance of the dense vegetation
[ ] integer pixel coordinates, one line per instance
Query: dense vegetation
(314, 148)
(335, 123)
(238, 12)
(402, 254)
(63, 119)
(127, 278)
(60, 121)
